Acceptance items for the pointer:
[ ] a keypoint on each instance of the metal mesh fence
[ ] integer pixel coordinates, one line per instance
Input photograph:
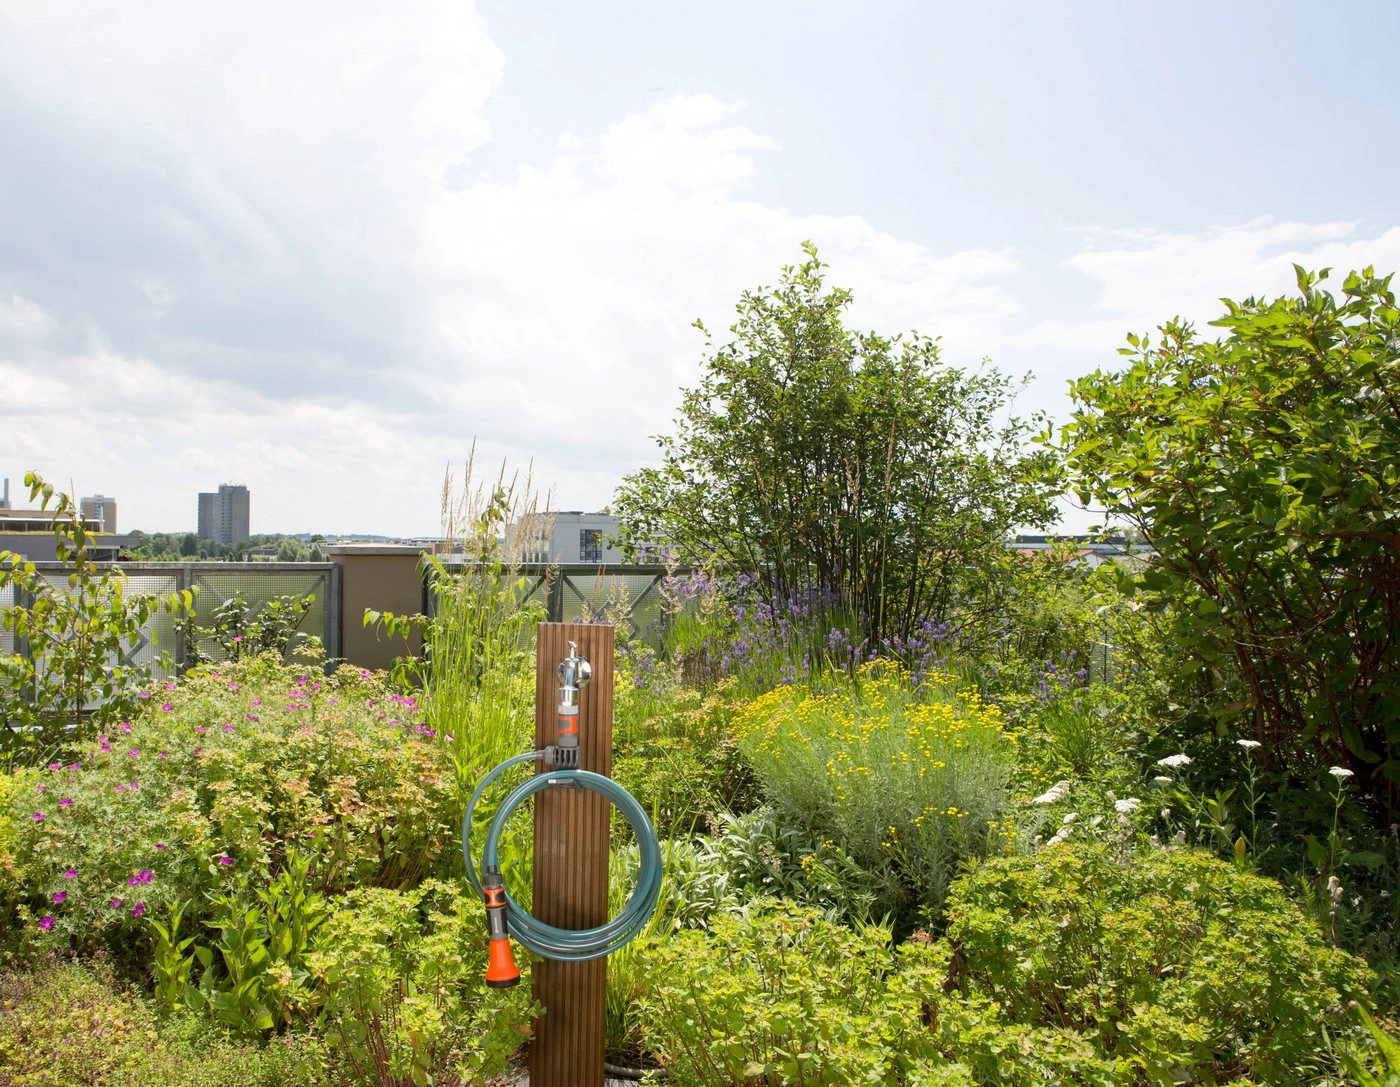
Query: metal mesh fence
(626, 596)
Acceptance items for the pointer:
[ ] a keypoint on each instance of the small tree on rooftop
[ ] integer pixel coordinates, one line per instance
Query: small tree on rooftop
(80, 636)
(851, 463)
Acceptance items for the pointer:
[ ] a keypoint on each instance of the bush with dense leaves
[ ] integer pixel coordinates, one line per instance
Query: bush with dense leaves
(1175, 967)
(209, 788)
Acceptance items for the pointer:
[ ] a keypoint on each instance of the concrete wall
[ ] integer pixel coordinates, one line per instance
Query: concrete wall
(383, 577)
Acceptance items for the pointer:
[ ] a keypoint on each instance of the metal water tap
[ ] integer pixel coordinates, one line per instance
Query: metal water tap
(574, 674)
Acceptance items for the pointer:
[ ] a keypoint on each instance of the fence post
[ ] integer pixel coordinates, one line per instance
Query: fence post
(571, 863)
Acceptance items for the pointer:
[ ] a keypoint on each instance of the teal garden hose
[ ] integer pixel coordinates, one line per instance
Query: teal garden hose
(506, 916)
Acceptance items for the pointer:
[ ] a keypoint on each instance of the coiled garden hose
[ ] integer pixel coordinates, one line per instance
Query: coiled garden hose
(506, 916)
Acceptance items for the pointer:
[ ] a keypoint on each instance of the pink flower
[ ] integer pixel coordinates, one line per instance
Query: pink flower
(101, 739)
(160, 846)
(166, 706)
(59, 897)
(106, 747)
(115, 904)
(38, 817)
(142, 877)
(364, 673)
(233, 685)
(161, 755)
(134, 753)
(119, 788)
(55, 766)
(138, 909)
(228, 728)
(76, 766)
(145, 694)
(225, 859)
(46, 922)
(251, 716)
(40, 788)
(171, 686)
(71, 873)
(125, 726)
(66, 802)
(256, 702)
(199, 728)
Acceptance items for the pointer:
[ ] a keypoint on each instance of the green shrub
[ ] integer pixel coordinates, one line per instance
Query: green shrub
(402, 977)
(776, 996)
(80, 671)
(209, 788)
(1174, 967)
(67, 1024)
(906, 784)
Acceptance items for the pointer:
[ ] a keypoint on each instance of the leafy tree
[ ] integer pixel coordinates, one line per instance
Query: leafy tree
(72, 656)
(1265, 470)
(843, 462)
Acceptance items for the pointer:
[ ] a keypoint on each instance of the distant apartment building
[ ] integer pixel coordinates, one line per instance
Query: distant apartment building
(102, 509)
(573, 538)
(223, 515)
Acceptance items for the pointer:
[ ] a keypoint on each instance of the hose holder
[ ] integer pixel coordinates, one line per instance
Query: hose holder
(506, 919)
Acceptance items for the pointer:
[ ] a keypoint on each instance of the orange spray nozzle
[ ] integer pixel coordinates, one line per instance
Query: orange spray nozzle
(501, 971)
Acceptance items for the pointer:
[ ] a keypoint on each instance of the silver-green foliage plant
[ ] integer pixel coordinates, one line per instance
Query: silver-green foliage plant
(905, 783)
(77, 673)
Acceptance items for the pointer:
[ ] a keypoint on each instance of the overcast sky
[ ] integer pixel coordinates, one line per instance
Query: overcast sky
(316, 248)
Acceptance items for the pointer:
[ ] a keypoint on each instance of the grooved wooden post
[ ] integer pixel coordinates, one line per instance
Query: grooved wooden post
(571, 863)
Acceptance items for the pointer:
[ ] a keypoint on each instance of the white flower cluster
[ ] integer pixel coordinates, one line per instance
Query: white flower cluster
(1127, 805)
(1054, 794)
(1340, 772)
(1175, 761)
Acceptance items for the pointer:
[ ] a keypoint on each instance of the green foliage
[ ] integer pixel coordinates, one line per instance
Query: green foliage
(405, 999)
(1386, 1049)
(906, 784)
(78, 666)
(1174, 965)
(1265, 470)
(66, 1024)
(778, 996)
(239, 630)
(821, 458)
(214, 789)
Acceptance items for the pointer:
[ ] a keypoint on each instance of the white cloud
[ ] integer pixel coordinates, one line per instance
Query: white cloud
(1144, 277)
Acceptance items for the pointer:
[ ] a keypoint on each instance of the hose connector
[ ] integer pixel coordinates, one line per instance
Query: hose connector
(501, 971)
(574, 674)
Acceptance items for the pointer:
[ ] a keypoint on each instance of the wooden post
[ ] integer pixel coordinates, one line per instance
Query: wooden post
(571, 863)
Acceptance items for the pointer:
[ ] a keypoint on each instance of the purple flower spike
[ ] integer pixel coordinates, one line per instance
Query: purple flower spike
(46, 922)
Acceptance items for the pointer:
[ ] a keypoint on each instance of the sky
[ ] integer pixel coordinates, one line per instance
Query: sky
(319, 249)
